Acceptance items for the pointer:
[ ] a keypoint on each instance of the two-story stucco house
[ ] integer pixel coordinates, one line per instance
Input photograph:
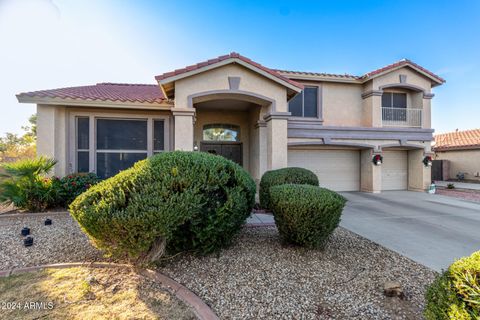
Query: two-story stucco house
(259, 117)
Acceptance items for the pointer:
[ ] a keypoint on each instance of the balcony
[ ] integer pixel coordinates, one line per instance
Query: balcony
(402, 117)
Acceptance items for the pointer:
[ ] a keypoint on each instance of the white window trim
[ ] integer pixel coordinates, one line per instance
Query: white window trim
(72, 146)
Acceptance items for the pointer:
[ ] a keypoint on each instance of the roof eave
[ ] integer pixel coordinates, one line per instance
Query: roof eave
(22, 98)
(226, 62)
(435, 81)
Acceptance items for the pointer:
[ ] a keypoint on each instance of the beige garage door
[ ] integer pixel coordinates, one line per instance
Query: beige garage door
(395, 170)
(337, 170)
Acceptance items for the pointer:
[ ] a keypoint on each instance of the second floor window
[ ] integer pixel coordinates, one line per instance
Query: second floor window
(394, 100)
(305, 104)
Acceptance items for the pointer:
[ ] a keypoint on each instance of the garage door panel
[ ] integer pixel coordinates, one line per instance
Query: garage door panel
(395, 170)
(337, 170)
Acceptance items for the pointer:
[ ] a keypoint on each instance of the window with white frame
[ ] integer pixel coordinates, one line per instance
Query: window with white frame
(118, 143)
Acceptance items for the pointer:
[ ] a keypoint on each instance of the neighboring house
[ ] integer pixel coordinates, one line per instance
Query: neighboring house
(462, 150)
(259, 117)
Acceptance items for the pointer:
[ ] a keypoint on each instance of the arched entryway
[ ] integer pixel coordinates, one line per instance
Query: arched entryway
(230, 124)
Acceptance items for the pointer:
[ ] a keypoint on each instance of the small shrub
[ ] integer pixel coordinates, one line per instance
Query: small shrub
(173, 201)
(25, 185)
(71, 186)
(455, 294)
(306, 215)
(291, 175)
(450, 186)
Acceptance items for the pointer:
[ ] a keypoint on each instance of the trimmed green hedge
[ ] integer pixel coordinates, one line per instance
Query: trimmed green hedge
(306, 215)
(185, 200)
(455, 294)
(291, 175)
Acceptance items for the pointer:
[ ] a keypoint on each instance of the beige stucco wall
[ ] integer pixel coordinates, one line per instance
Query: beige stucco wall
(342, 104)
(413, 77)
(462, 161)
(217, 79)
(52, 140)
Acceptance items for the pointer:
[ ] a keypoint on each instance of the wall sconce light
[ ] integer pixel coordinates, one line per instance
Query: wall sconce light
(427, 161)
(377, 159)
(195, 146)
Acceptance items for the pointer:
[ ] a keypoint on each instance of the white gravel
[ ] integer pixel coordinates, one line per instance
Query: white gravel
(63, 241)
(258, 278)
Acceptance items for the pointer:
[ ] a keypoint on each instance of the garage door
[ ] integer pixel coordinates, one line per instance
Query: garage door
(337, 170)
(395, 170)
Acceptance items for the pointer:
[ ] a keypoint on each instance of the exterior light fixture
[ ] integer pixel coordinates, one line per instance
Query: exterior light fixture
(427, 161)
(377, 159)
(48, 222)
(28, 241)
(25, 231)
(195, 147)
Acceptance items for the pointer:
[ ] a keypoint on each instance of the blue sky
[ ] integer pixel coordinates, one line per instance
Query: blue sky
(48, 44)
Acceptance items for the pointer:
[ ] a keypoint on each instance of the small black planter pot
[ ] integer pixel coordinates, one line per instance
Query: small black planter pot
(25, 231)
(48, 222)
(28, 241)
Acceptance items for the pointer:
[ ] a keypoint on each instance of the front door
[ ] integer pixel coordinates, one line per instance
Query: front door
(229, 150)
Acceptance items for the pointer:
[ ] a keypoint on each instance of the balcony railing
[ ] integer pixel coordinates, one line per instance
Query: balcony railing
(402, 117)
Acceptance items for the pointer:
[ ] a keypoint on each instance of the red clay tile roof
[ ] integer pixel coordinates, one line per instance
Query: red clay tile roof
(318, 74)
(232, 55)
(399, 64)
(366, 75)
(122, 92)
(469, 139)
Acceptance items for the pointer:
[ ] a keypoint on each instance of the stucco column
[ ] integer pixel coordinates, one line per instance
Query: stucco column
(52, 136)
(419, 176)
(427, 112)
(183, 132)
(372, 107)
(262, 164)
(277, 139)
(370, 174)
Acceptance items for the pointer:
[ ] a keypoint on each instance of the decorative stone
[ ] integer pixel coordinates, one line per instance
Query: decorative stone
(25, 231)
(48, 222)
(393, 289)
(28, 241)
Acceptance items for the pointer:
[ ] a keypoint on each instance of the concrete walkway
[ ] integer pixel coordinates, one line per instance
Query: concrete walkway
(459, 185)
(260, 219)
(433, 230)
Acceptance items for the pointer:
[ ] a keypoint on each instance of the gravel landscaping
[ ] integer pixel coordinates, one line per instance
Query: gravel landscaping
(258, 277)
(464, 194)
(63, 241)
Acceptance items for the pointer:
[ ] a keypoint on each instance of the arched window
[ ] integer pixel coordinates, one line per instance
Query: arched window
(221, 132)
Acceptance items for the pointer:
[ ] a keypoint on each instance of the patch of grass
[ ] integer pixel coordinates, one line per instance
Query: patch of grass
(88, 293)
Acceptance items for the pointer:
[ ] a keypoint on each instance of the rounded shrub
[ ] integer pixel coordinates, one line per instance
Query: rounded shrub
(306, 215)
(175, 201)
(455, 294)
(291, 175)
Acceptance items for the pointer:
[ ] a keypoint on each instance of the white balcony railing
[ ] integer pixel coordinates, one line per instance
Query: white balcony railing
(402, 117)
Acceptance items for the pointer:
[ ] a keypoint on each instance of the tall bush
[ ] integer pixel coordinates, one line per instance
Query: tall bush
(305, 215)
(175, 200)
(455, 294)
(291, 175)
(25, 185)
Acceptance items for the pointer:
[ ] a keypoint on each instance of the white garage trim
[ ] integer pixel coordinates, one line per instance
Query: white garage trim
(337, 169)
(395, 170)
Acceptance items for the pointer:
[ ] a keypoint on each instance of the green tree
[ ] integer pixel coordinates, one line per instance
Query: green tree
(14, 146)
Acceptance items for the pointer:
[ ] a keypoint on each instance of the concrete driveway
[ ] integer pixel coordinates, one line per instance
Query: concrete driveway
(433, 230)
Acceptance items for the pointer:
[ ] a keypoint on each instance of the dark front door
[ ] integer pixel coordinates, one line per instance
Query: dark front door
(229, 150)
